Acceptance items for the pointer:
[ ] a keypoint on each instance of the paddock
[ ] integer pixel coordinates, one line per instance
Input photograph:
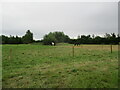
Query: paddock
(36, 66)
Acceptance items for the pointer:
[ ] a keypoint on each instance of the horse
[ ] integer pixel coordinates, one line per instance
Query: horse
(52, 43)
(76, 44)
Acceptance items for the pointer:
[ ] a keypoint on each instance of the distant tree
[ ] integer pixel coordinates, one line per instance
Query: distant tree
(66, 39)
(4, 39)
(18, 40)
(113, 35)
(60, 37)
(93, 36)
(78, 37)
(113, 39)
(85, 39)
(118, 39)
(56, 37)
(28, 37)
(118, 35)
(48, 39)
(0, 39)
(107, 35)
(12, 40)
(97, 40)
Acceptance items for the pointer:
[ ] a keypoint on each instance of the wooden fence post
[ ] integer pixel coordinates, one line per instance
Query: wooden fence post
(73, 51)
(111, 48)
(10, 55)
(102, 46)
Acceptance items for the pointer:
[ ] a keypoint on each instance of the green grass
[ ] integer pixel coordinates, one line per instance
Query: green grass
(39, 66)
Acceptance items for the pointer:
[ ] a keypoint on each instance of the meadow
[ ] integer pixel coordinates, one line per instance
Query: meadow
(42, 66)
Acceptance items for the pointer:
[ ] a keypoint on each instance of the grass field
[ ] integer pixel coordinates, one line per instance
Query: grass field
(39, 66)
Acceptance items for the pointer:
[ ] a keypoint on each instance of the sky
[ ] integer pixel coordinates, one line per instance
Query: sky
(73, 18)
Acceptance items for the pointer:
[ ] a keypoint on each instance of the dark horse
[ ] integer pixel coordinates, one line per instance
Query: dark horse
(76, 44)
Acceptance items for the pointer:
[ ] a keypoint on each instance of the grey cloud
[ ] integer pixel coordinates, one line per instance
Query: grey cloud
(73, 18)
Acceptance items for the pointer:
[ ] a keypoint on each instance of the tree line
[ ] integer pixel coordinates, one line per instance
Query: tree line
(27, 38)
(88, 39)
(59, 37)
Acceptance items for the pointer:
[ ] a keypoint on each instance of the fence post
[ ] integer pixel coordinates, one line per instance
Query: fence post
(111, 48)
(10, 55)
(102, 46)
(73, 51)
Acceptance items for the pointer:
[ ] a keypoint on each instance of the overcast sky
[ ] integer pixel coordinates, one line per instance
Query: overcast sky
(73, 18)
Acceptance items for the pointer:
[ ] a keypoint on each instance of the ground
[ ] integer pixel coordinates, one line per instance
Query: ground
(40, 66)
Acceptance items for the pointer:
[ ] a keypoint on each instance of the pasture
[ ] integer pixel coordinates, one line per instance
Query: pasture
(40, 66)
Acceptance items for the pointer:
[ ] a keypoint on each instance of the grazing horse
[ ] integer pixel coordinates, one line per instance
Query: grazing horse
(76, 44)
(53, 44)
